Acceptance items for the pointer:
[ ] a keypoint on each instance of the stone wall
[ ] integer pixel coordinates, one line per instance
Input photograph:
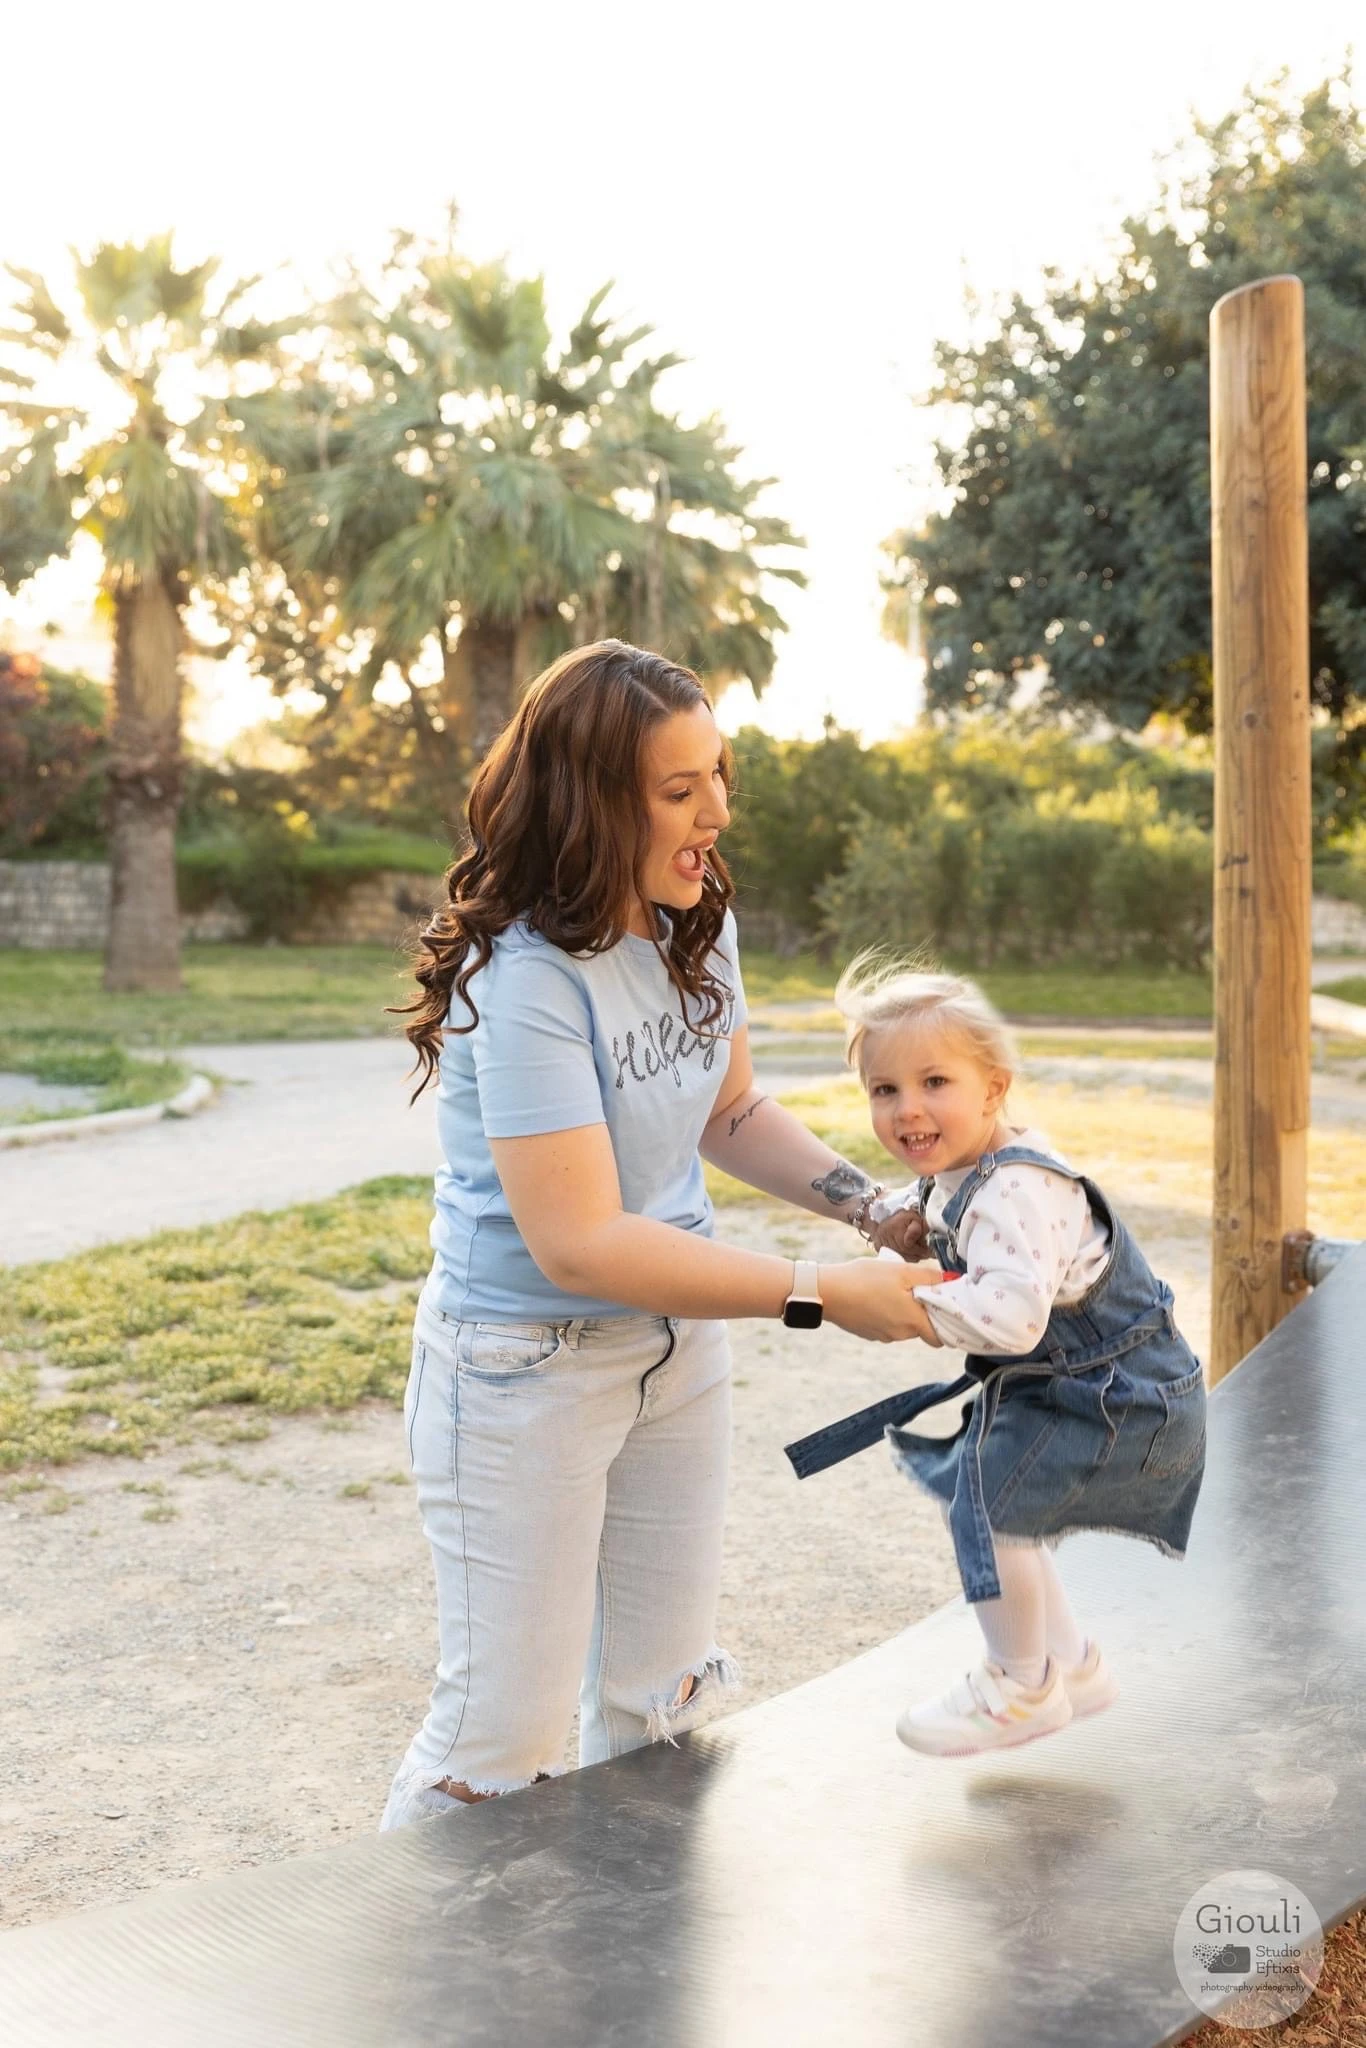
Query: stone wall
(378, 909)
(47, 905)
(1338, 927)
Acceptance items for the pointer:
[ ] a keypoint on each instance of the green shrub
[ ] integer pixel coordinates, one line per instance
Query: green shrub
(1155, 892)
(799, 804)
(1104, 881)
(1340, 869)
(259, 869)
(120, 1080)
(794, 806)
(280, 871)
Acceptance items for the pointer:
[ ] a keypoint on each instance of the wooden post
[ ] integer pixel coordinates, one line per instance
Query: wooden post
(1258, 490)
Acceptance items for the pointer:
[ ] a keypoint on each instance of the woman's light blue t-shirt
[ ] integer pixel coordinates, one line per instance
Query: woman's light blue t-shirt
(565, 1040)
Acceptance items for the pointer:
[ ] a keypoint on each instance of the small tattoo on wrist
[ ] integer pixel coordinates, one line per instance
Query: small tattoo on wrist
(745, 1115)
(842, 1183)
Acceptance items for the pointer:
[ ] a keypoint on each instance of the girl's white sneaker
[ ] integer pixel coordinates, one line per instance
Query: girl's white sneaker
(986, 1709)
(1091, 1685)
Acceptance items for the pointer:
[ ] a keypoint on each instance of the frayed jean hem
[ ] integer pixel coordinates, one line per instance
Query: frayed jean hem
(416, 1794)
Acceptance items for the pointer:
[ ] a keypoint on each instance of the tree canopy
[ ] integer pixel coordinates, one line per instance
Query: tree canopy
(450, 497)
(1077, 535)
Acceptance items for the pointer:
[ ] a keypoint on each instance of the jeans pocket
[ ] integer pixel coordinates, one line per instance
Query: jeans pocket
(499, 1351)
(412, 1393)
(1180, 1438)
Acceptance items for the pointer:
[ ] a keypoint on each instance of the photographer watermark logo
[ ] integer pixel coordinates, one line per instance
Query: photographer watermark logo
(1248, 1948)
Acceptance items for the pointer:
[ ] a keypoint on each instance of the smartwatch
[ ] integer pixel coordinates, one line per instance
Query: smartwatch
(804, 1309)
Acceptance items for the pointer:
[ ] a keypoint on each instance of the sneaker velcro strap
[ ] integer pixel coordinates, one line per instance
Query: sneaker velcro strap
(988, 1692)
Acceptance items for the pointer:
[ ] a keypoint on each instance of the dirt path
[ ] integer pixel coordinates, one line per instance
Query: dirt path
(222, 1666)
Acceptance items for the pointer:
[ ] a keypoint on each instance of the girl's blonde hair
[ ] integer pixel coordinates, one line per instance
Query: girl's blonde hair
(878, 990)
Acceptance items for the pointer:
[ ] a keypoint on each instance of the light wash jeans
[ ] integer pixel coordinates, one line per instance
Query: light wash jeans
(571, 1480)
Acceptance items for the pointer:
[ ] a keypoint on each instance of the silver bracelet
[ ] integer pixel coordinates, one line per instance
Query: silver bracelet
(858, 1217)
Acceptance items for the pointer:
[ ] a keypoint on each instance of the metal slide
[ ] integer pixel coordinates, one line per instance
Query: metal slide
(792, 1876)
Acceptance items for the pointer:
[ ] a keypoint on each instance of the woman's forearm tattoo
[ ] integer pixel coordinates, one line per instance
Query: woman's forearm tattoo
(745, 1115)
(842, 1183)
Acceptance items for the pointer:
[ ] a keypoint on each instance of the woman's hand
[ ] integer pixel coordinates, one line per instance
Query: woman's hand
(874, 1298)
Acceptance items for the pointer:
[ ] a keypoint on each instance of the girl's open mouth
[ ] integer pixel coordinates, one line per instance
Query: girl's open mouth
(916, 1142)
(691, 862)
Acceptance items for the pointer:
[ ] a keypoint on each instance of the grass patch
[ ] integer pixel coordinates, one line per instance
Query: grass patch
(1054, 995)
(795, 1023)
(805, 978)
(209, 1331)
(235, 993)
(231, 993)
(121, 1081)
(1351, 989)
(1115, 1045)
(1058, 995)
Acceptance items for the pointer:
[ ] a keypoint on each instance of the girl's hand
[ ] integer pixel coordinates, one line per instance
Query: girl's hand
(873, 1298)
(903, 1232)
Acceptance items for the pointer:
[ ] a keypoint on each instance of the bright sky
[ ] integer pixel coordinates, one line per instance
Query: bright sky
(796, 198)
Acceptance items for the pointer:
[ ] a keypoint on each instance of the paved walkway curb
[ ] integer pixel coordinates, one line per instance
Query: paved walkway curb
(194, 1096)
(1331, 1014)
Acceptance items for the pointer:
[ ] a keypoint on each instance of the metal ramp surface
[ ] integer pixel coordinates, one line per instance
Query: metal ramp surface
(792, 1875)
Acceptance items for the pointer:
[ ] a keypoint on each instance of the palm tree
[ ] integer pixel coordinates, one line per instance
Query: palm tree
(464, 500)
(144, 469)
(696, 589)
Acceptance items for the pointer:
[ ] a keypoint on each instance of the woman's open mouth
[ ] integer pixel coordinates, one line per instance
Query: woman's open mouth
(690, 863)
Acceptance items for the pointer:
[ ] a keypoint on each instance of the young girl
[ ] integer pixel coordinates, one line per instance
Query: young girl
(1091, 1410)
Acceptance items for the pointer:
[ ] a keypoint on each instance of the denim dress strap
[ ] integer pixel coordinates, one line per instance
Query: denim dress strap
(859, 1432)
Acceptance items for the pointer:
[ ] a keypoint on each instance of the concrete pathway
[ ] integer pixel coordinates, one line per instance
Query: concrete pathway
(291, 1123)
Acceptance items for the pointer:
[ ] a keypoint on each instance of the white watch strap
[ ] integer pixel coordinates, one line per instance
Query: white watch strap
(805, 1280)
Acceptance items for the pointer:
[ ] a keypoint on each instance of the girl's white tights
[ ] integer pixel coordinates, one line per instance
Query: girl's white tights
(1032, 1620)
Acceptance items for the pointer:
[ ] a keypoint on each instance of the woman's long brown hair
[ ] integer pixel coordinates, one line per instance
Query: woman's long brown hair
(558, 827)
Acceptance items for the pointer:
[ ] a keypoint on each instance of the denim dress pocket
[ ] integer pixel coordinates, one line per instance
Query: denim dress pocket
(1035, 1455)
(1180, 1438)
(503, 1351)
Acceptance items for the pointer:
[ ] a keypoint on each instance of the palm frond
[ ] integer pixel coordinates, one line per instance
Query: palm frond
(37, 520)
(48, 324)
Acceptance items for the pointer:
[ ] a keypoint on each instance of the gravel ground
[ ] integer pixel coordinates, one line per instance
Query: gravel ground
(221, 1667)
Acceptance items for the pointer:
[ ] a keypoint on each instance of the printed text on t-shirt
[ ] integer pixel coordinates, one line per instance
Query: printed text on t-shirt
(656, 1051)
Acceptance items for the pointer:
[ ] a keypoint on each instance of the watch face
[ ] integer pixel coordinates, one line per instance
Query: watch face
(803, 1315)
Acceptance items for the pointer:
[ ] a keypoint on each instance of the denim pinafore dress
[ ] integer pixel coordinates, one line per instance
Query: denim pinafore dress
(1101, 1426)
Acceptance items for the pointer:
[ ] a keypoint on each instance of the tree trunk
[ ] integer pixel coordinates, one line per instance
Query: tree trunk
(491, 652)
(654, 561)
(440, 748)
(143, 951)
(457, 691)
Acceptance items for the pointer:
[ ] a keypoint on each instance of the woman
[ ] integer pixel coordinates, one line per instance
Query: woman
(568, 1409)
